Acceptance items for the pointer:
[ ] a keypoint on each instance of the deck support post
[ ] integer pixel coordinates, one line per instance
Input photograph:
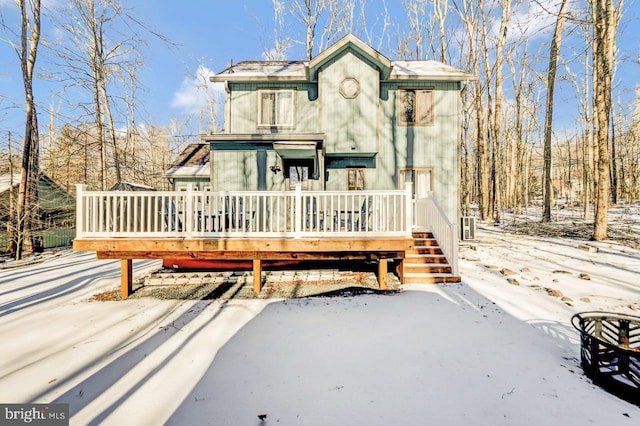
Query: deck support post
(383, 276)
(400, 271)
(257, 275)
(126, 278)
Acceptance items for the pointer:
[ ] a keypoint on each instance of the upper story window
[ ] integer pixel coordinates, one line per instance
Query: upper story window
(275, 108)
(415, 106)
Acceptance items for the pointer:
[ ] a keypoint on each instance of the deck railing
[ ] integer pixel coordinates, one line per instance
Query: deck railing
(429, 215)
(228, 214)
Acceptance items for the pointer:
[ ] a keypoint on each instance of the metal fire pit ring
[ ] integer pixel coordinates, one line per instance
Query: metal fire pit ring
(610, 351)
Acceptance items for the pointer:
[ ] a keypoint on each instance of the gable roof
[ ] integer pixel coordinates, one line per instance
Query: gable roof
(8, 180)
(350, 43)
(307, 71)
(193, 161)
(130, 186)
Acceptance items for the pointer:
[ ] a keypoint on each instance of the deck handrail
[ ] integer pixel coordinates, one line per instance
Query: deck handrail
(229, 214)
(429, 215)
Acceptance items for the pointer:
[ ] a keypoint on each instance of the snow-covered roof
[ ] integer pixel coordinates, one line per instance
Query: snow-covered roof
(427, 70)
(5, 181)
(282, 70)
(130, 186)
(192, 162)
(202, 170)
(297, 71)
(306, 71)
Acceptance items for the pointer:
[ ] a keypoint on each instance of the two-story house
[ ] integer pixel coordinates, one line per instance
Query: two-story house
(349, 119)
(349, 156)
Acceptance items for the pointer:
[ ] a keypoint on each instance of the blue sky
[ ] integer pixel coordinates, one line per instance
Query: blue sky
(206, 34)
(210, 34)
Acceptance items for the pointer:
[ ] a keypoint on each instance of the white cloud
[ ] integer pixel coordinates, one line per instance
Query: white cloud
(537, 19)
(196, 92)
(531, 19)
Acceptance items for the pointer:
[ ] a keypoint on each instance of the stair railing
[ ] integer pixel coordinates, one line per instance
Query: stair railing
(430, 216)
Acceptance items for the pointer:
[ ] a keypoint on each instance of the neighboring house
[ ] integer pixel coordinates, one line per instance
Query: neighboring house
(129, 186)
(56, 211)
(349, 119)
(191, 167)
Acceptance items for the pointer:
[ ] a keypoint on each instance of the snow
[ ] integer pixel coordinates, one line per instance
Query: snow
(484, 351)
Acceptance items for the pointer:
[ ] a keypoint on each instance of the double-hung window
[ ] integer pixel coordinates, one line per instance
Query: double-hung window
(275, 108)
(415, 106)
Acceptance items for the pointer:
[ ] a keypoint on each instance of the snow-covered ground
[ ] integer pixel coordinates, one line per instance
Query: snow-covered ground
(496, 349)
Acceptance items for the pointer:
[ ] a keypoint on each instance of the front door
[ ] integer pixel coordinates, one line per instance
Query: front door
(421, 179)
(298, 175)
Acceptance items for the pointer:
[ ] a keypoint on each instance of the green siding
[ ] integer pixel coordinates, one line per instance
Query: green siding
(198, 183)
(238, 171)
(56, 212)
(350, 124)
(365, 124)
(244, 107)
(51, 238)
(434, 146)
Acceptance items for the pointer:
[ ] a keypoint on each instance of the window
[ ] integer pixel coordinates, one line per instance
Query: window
(275, 108)
(355, 179)
(415, 106)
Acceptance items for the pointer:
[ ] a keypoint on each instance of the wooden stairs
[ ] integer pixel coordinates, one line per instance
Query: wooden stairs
(425, 263)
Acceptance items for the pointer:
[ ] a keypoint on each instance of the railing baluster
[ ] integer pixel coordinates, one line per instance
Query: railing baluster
(233, 214)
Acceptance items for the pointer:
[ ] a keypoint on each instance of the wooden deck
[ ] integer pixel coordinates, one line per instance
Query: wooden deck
(257, 250)
(265, 226)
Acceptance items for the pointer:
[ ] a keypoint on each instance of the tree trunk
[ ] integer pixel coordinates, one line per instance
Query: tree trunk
(440, 9)
(606, 18)
(11, 231)
(548, 119)
(111, 126)
(614, 167)
(28, 191)
(469, 16)
(495, 113)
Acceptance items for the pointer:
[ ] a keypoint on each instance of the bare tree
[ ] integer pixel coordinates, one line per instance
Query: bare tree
(11, 208)
(523, 118)
(441, 9)
(606, 16)
(427, 35)
(323, 21)
(308, 12)
(582, 87)
(495, 101)
(95, 56)
(281, 42)
(419, 35)
(26, 215)
(338, 21)
(471, 19)
(556, 42)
